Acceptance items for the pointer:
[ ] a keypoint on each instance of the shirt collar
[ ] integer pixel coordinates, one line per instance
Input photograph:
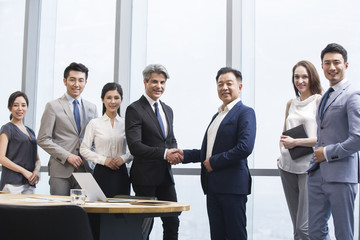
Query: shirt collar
(71, 99)
(150, 100)
(105, 117)
(339, 84)
(228, 107)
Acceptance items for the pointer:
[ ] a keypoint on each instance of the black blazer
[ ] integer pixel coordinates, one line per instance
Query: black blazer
(147, 143)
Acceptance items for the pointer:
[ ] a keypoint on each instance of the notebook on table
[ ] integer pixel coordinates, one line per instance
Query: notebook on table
(93, 190)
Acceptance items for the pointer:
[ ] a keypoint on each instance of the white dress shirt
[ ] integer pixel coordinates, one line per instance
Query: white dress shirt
(109, 140)
(214, 126)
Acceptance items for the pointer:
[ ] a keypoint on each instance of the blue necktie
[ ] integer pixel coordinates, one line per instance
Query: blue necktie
(77, 115)
(323, 103)
(159, 118)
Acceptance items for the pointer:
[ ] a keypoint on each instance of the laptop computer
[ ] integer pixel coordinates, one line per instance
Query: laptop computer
(93, 190)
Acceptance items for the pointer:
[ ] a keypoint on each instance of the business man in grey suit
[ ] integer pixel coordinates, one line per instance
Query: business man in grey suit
(62, 129)
(334, 170)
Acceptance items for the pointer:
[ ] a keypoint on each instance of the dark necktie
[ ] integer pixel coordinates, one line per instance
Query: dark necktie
(323, 103)
(159, 118)
(77, 115)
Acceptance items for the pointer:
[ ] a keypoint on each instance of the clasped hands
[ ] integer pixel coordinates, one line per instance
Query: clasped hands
(32, 177)
(114, 163)
(175, 156)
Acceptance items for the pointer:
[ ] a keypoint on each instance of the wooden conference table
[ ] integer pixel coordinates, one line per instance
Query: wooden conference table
(110, 220)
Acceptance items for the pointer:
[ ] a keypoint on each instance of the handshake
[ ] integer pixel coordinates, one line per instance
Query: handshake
(174, 156)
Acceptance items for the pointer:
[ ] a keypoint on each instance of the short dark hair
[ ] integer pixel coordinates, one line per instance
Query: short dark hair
(110, 87)
(224, 70)
(155, 68)
(12, 98)
(334, 48)
(314, 80)
(78, 67)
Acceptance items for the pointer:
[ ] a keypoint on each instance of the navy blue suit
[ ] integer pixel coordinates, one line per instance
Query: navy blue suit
(229, 184)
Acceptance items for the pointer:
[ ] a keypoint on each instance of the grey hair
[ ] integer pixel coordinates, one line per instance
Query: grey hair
(155, 68)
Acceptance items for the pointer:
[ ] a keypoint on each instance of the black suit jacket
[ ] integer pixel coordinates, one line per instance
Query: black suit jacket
(147, 143)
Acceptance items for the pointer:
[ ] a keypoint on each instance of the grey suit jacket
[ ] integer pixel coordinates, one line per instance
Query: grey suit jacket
(339, 132)
(59, 137)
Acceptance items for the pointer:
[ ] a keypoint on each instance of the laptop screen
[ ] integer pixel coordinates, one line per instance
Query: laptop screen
(91, 187)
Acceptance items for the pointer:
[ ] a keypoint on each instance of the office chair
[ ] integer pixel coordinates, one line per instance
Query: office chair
(57, 222)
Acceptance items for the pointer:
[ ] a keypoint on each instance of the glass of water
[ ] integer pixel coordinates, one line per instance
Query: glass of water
(77, 196)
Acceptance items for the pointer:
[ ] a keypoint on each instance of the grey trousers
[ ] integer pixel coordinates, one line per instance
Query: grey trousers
(62, 186)
(296, 194)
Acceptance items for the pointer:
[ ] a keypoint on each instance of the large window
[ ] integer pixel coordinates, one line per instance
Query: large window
(189, 38)
(11, 44)
(84, 32)
(292, 31)
(287, 32)
(190, 43)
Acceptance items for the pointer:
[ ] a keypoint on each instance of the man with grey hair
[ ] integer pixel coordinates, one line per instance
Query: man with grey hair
(151, 140)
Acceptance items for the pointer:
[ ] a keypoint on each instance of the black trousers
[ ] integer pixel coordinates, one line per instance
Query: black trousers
(112, 182)
(166, 192)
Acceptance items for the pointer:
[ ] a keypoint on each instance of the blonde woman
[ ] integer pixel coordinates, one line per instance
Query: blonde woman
(300, 110)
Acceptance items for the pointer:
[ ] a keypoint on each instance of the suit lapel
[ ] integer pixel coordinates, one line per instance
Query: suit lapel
(228, 116)
(167, 116)
(335, 95)
(145, 104)
(65, 105)
(85, 108)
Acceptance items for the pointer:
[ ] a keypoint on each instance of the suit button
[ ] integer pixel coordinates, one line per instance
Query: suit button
(321, 127)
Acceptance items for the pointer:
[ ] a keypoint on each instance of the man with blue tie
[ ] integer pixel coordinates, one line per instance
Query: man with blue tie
(62, 129)
(151, 140)
(227, 143)
(334, 170)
